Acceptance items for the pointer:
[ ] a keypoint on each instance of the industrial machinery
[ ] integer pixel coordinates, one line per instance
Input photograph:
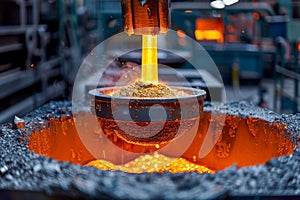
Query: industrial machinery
(39, 53)
(146, 17)
(233, 150)
(286, 77)
(160, 112)
(29, 75)
(154, 17)
(239, 36)
(36, 40)
(234, 36)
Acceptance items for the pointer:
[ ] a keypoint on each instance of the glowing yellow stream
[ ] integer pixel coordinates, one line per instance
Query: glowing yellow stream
(149, 59)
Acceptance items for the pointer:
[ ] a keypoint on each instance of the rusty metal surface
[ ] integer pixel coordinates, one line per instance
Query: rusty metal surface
(22, 170)
(146, 17)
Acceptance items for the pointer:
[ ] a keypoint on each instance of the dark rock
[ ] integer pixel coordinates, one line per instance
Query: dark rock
(3, 170)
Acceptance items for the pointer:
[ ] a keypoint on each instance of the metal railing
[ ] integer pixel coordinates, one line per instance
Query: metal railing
(286, 79)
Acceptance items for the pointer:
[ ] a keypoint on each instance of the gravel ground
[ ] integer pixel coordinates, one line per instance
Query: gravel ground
(23, 173)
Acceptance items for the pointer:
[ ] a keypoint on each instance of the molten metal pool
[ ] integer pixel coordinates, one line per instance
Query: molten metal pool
(244, 141)
(257, 154)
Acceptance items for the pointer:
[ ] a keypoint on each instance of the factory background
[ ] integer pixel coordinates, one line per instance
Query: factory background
(254, 43)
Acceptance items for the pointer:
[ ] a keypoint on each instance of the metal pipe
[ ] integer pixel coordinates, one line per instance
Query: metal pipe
(242, 6)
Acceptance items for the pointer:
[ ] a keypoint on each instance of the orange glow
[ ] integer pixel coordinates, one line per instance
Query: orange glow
(244, 142)
(256, 16)
(152, 163)
(298, 46)
(208, 35)
(180, 33)
(209, 29)
(188, 11)
(199, 35)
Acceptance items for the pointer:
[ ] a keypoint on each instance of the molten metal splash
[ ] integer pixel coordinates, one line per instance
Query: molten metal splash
(152, 164)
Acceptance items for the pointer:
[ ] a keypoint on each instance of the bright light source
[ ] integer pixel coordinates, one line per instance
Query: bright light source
(218, 4)
(188, 11)
(230, 2)
(208, 35)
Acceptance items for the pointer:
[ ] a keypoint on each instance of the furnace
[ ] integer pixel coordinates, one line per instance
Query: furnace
(35, 155)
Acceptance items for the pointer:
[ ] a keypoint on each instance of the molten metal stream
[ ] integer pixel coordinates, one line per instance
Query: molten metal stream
(149, 59)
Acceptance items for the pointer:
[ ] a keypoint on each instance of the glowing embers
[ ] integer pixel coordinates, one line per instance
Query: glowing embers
(147, 89)
(153, 163)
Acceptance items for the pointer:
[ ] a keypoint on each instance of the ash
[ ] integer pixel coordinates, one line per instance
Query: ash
(23, 173)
